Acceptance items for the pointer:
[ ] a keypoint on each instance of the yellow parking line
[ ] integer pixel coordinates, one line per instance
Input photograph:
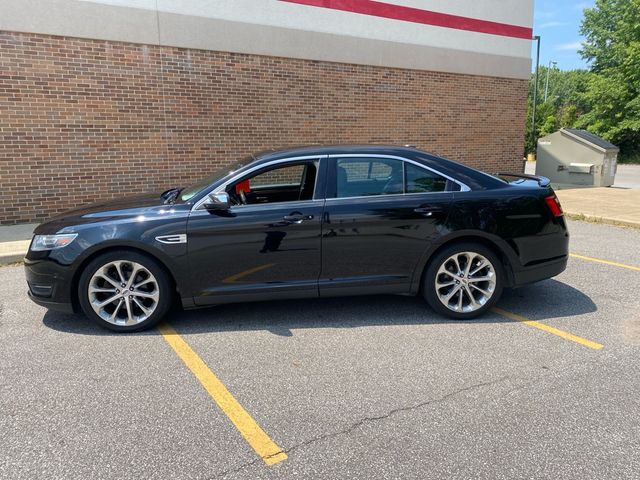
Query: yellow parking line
(555, 331)
(606, 262)
(250, 430)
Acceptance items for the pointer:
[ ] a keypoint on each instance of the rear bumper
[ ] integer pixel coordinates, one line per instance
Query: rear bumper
(540, 271)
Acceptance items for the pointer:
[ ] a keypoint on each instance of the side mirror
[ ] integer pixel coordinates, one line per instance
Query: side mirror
(218, 202)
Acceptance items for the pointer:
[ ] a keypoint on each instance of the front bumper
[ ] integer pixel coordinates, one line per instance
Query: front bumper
(540, 271)
(46, 303)
(49, 284)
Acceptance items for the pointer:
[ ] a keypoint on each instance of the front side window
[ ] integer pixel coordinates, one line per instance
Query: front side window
(280, 183)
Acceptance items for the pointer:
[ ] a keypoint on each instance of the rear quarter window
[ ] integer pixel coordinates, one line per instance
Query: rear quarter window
(419, 180)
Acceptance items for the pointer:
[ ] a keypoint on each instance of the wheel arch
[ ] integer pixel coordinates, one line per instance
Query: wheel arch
(497, 245)
(75, 280)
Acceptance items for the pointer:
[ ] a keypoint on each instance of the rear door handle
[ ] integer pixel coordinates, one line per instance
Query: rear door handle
(427, 211)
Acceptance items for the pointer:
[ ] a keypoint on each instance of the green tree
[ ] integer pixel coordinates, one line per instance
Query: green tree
(567, 116)
(565, 103)
(568, 88)
(612, 31)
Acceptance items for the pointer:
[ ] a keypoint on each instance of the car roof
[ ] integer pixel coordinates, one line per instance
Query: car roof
(302, 151)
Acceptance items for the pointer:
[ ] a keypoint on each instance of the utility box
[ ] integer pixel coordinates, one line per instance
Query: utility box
(577, 157)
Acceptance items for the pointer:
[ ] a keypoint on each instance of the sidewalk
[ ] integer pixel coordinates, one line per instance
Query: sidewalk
(14, 242)
(616, 206)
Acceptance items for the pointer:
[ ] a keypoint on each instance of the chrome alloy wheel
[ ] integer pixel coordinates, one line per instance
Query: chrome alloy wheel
(465, 282)
(123, 292)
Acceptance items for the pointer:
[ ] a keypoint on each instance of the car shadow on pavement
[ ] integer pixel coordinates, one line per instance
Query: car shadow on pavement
(544, 300)
(547, 300)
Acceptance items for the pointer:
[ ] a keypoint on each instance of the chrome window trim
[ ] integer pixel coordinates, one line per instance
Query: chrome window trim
(463, 187)
(293, 203)
(382, 197)
(222, 188)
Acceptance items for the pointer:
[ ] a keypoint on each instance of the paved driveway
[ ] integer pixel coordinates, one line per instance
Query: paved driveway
(374, 387)
(627, 176)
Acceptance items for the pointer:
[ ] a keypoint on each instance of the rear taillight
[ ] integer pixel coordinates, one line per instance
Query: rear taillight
(554, 205)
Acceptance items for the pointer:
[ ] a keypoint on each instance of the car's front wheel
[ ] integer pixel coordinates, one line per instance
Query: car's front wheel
(463, 281)
(124, 291)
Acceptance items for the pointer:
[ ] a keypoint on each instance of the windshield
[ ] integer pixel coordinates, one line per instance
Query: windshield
(188, 193)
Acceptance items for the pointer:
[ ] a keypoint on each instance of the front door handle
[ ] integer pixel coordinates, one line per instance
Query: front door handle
(297, 217)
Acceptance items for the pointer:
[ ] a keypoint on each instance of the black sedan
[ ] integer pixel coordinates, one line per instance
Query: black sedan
(300, 223)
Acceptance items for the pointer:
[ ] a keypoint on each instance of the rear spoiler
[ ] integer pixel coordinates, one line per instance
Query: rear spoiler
(542, 181)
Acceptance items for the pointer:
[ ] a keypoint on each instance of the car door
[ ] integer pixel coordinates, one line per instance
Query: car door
(381, 215)
(266, 248)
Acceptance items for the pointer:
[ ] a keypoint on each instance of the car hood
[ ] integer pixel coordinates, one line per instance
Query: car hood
(143, 206)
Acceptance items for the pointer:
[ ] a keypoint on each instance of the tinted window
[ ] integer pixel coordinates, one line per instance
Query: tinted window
(279, 177)
(283, 183)
(358, 177)
(420, 180)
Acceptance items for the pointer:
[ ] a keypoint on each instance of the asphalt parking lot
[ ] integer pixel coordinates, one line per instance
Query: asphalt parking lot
(374, 387)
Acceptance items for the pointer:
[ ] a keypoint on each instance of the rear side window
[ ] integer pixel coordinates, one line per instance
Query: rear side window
(419, 180)
(357, 177)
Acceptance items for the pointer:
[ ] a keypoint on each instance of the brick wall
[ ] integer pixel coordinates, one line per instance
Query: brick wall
(82, 120)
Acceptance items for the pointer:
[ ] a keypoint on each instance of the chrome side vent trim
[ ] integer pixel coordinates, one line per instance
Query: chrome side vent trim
(172, 239)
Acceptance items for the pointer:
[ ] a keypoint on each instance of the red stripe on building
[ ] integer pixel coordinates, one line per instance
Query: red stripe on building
(416, 15)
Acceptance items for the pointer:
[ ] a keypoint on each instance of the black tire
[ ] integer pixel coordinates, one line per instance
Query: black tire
(162, 280)
(430, 293)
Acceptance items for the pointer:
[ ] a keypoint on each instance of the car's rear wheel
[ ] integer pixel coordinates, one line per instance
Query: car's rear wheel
(124, 291)
(463, 280)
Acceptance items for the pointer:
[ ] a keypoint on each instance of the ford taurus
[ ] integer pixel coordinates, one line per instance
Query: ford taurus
(300, 223)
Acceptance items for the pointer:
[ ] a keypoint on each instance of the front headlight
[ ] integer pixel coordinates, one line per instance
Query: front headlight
(51, 242)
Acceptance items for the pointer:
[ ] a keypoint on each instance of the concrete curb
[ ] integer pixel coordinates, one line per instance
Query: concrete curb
(12, 252)
(608, 221)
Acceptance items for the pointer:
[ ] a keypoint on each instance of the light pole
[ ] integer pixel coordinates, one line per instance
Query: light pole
(546, 87)
(535, 94)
